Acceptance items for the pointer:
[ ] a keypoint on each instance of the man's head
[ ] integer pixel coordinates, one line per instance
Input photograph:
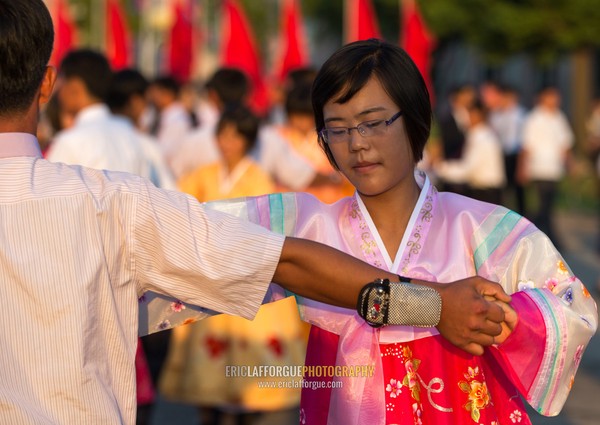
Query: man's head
(127, 94)
(26, 39)
(85, 79)
(227, 87)
(164, 91)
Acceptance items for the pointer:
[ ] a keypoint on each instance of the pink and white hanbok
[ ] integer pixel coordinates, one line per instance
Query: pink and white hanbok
(416, 376)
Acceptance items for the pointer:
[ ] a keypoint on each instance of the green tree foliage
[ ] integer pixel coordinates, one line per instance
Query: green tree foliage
(499, 28)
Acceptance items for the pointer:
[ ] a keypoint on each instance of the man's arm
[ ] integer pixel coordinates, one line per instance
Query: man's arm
(468, 320)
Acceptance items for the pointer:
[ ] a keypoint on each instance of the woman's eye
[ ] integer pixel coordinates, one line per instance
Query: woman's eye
(373, 124)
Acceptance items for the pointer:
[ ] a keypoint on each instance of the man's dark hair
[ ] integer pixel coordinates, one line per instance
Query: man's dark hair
(124, 85)
(26, 39)
(244, 120)
(297, 100)
(168, 83)
(91, 67)
(230, 84)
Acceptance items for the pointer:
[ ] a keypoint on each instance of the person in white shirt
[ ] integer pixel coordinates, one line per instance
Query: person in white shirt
(171, 121)
(547, 142)
(82, 249)
(507, 121)
(126, 99)
(96, 139)
(481, 167)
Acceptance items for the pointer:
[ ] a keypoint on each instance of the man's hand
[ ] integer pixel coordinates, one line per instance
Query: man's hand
(469, 319)
(510, 320)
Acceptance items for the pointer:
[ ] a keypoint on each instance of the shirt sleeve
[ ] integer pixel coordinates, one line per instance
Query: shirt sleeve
(191, 261)
(557, 318)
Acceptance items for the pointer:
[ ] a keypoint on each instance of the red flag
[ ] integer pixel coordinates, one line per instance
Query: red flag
(417, 40)
(65, 32)
(238, 51)
(361, 21)
(293, 50)
(181, 43)
(118, 37)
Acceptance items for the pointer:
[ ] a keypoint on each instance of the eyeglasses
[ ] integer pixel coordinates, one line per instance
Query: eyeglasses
(334, 135)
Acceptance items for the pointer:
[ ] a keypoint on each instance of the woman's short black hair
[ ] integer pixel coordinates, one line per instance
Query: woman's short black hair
(244, 120)
(351, 67)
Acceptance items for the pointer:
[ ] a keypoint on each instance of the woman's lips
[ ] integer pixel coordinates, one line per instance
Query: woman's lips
(364, 167)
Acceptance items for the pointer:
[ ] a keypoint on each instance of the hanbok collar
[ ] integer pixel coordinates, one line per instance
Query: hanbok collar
(394, 266)
(228, 181)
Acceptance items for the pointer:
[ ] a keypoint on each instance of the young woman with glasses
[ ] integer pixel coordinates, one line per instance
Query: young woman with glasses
(373, 117)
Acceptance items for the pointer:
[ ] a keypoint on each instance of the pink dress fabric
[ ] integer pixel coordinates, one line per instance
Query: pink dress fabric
(414, 375)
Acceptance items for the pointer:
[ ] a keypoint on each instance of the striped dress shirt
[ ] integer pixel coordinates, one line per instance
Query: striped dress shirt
(78, 248)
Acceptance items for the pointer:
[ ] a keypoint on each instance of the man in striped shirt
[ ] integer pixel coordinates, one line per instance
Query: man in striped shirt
(80, 246)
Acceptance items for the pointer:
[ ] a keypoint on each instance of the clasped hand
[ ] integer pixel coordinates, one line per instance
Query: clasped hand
(475, 314)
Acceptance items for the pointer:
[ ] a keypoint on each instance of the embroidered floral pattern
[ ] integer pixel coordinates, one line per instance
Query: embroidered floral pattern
(417, 413)
(177, 306)
(551, 283)
(586, 293)
(525, 284)
(394, 388)
(411, 380)
(165, 324)
(477, 393)
(567, 296)
(562, 269)
(516, 416)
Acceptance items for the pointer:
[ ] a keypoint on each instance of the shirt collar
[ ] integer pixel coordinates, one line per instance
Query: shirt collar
(19, 144)
(92, 113)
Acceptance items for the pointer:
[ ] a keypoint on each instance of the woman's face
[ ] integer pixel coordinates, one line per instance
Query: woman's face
(377, 164)
(231, 144)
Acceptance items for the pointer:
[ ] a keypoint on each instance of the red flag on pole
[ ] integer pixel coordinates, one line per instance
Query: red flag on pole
(118, 37)
(238, 51)
(361, 21)
(293, 45)
(181, 42)
(65, 33)
(416, 39)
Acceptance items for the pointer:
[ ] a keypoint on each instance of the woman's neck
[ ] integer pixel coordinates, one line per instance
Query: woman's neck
(391, 211)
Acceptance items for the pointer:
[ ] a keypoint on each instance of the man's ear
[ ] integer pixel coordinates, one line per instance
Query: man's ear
(47, 85)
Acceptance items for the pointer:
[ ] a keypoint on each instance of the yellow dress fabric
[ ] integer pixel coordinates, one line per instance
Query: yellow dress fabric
(203, 355)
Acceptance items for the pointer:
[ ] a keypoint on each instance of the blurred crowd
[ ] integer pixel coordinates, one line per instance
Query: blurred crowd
(204, 139)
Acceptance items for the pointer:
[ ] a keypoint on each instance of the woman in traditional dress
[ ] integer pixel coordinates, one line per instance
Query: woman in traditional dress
(199, 353)
(373, 114)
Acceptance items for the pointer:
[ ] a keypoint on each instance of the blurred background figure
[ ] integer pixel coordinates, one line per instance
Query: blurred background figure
(276, 337)
(226, 87)
(169, 121)
(298, 131)
(507, 120)
(53, 119)
(127, 99)
(481, 167)
(547, 143)
(453, 122)
(96, 139)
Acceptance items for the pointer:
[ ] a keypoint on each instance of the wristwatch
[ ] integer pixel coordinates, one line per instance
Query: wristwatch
(382, 302)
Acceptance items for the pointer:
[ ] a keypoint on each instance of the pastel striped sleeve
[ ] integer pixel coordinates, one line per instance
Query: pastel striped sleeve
(557, 315)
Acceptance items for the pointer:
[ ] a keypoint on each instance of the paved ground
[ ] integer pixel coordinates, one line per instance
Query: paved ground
(579, 235)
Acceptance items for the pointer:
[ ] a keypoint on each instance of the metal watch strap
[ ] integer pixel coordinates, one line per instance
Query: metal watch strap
(382, 302)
